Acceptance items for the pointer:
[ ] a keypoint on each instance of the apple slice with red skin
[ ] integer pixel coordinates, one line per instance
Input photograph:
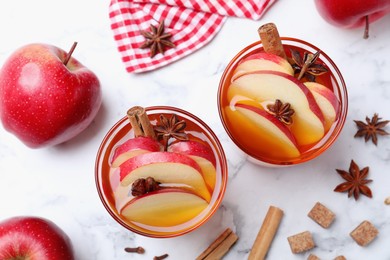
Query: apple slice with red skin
(166, 168)
(133, 147)
(327, 101)
(264, 133)
(164, 208)
(202, 154)
(33, 238)
(263, 61)
(267, 86)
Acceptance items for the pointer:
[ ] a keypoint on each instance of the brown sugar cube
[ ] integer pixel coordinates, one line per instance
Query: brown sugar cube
(364, 233)
(340, 257)
(301, 242)
(321, 215)
(313, 257)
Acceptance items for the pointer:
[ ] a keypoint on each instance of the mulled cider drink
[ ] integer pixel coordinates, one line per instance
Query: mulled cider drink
(282, 100)
(161, 172)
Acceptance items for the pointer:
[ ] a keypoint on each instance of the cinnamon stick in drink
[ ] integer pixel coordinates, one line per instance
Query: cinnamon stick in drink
(270, 39)
(266, 233)
(140, 122)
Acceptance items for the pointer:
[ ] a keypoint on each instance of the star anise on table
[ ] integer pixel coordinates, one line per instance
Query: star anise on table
(356, 182)
(306, 66)
(372, 129)
(170, 128)
(282, 111)
(156, 39)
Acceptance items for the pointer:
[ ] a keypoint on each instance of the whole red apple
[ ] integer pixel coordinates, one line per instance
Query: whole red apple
(46, 96)
(352, 13)
(33, 238)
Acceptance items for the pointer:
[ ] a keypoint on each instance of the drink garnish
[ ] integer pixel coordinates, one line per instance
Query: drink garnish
(282, 111)
(307, 66)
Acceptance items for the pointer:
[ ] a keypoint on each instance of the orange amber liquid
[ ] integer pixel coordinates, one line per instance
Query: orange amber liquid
(109, 182)
(242, 131)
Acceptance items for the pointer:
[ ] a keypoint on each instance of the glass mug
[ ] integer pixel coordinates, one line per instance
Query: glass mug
(116, 197)
(254, 131)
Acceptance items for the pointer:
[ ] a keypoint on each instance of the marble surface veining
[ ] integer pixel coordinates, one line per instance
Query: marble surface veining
(58, 182)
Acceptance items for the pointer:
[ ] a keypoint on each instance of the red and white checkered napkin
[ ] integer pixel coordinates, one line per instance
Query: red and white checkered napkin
(193, 23)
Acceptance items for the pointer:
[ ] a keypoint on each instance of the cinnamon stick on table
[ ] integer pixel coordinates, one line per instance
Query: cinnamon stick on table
(220, 246)
(266, 233)
(140, 122)
(270, 39)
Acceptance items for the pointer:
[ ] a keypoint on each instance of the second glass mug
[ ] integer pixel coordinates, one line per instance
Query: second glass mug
(245, 141)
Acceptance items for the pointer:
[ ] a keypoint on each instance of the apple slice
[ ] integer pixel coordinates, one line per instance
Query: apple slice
(164, 208)
(264, 133)
(166, 168)
(263, 61)
(133, 147)
(267, 86)
(327, 101)
(202, 154)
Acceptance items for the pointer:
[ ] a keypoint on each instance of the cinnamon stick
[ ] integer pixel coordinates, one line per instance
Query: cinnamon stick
(140, 122)
(266, 233)
(270, 39)
(220, 246)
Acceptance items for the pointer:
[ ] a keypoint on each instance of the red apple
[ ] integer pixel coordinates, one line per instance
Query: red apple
(352, 13)
(45, 99)
(33, 238)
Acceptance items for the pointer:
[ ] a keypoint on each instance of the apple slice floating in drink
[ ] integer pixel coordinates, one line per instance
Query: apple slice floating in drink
(263, 61)
(202, 154)
(267, 86)
(166, 168)
(164, 208)
(269, 135)
(327, 101)
(133, 147)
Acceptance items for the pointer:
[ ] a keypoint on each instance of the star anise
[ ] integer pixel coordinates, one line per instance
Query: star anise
(306, 66)
(156, 39)
(355, 181)
(171, 127)
(371, 129)
(142, 186)
(282, 111)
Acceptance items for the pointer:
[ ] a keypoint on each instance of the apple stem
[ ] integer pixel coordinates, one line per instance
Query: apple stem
(366, 28)
(70, 53)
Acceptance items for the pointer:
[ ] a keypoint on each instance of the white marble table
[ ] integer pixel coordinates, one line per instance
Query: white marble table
(58, 182)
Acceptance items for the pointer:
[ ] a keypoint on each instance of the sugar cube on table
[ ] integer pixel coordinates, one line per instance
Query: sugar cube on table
(301, 242)
(364, 233)
(321, 215)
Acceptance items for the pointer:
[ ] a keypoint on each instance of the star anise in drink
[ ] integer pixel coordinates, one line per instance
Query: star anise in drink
(355, 181)
(307, 66)
(282, 111)
(142, 186)
(156, 39)
(372, 129)
(170, 128)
